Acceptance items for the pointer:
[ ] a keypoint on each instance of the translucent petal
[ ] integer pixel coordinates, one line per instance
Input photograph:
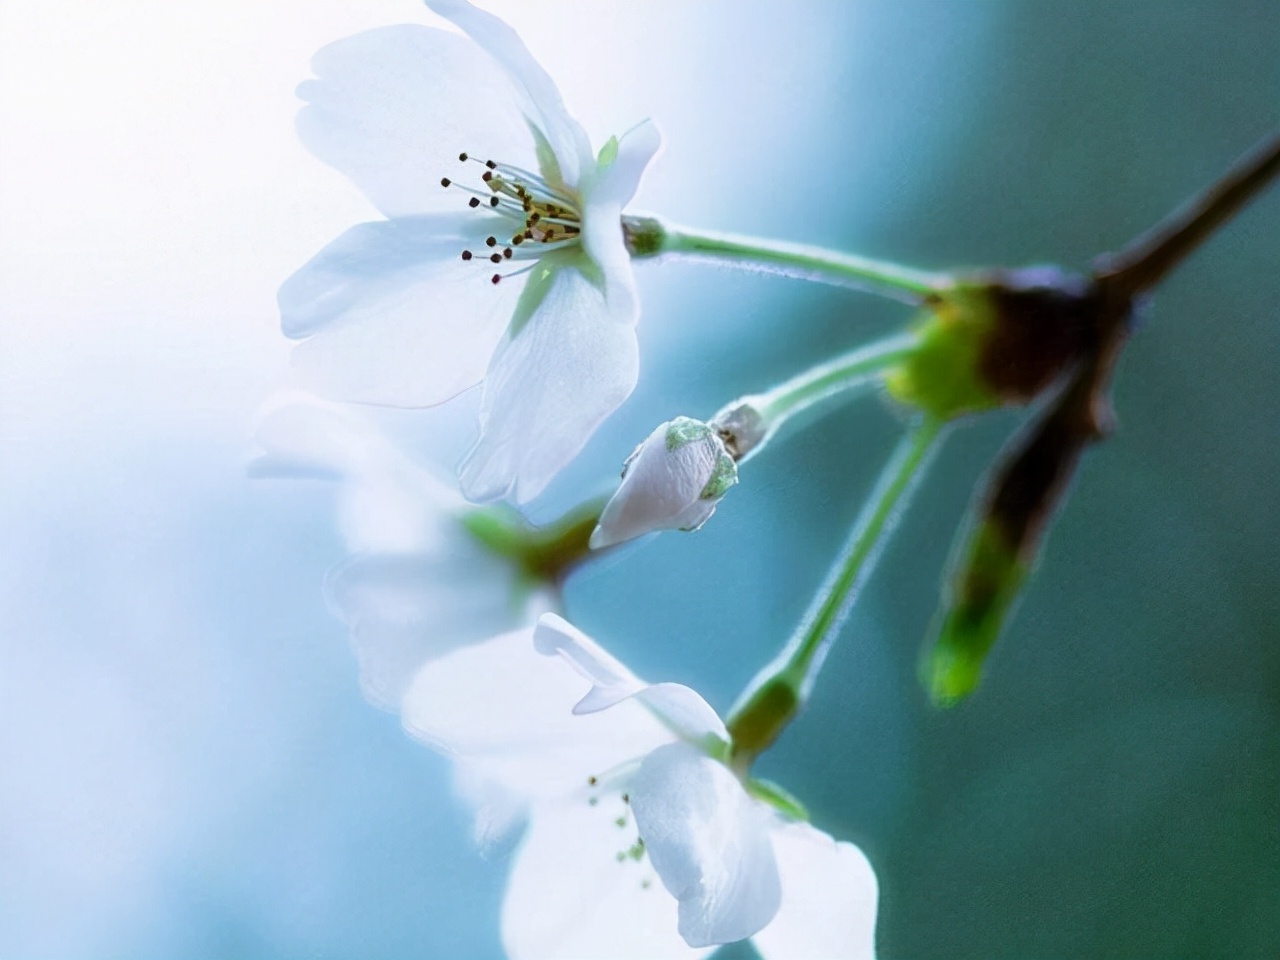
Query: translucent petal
(403, 610)
(683, 711)
(610, 680)
(540, 99)
(551, 384)
(393, 107)
(394, 315)
(505, 712)
(709, 843)
(387, 503)
(570, 897)
(829, 896)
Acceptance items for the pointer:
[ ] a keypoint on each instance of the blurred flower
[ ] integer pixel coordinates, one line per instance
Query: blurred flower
(623, 783)
(503, 245)
(672, 481)
(420, 582)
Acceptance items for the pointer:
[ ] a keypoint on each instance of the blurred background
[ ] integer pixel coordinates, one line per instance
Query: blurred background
(187, 768)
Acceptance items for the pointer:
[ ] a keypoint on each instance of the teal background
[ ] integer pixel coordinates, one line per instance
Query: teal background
(186, 766)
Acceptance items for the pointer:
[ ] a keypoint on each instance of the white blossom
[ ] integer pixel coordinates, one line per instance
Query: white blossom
(501, 257)
(418, 583)
(640, 840)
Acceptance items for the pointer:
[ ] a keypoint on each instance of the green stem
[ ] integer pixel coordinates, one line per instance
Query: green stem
(778, 691)
(648, 236)
(852, 370)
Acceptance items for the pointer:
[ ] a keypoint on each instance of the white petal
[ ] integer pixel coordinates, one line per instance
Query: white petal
(680, 709)
(404, 610)
(387, 503)
(541, 100)
(618, 181)
(709, 843)
(829, 896)
(569, 897)
(683, 711)
(396, 317)
(551, 383)
(505, 712)
(393, 108)
(611, 682)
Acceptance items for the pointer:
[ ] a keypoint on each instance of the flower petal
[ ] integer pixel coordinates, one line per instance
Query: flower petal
(708, 842)
(392, 108)
(569, 896)
(395, 316)
(505, 712)
(551, 383)
(541, 100)
(828, 901)
(611, 682)
(403, 611)
(388, 504)
(617, 181)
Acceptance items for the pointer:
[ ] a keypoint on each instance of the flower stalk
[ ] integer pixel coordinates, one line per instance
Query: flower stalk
(649, 236)
(749, 422)
(778, 692)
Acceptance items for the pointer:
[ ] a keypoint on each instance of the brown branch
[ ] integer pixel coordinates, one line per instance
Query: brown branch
(1149, 258)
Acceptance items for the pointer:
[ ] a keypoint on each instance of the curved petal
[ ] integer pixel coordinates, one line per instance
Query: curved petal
(618, 180)
(551, 383)
(683, 711)
(393, 107)
(708, 842)
(570, 895)
(504, 712)
(828, 901)
(611, 682)
(541, 100)
(404, 610)
(394, 315)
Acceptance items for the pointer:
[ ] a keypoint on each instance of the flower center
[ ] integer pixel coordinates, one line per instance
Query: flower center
(605, 801)
(543, 217)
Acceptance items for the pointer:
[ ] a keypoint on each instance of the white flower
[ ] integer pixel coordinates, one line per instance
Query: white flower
(672, 481)
(640, 841)
(502, 247)
(419, 583)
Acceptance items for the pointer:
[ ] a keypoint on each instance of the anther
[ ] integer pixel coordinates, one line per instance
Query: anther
(534, 218)
(466, 254)
(445, 181)
(473, 202)
(491, 165)
(486, 176)
(592, 781)
(462, 157)
(506, 252)
(493, 201)
(496, 257)
(518, 239)
(496, 277)
(626, 798)
(491, 241)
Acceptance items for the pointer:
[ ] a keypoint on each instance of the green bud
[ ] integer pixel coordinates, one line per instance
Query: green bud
(685, 430)
(986, 585)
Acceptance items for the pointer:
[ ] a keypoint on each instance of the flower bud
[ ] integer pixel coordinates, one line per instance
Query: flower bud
(671, 482)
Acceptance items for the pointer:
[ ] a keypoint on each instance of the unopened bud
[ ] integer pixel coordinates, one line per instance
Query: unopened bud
(672, 481)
